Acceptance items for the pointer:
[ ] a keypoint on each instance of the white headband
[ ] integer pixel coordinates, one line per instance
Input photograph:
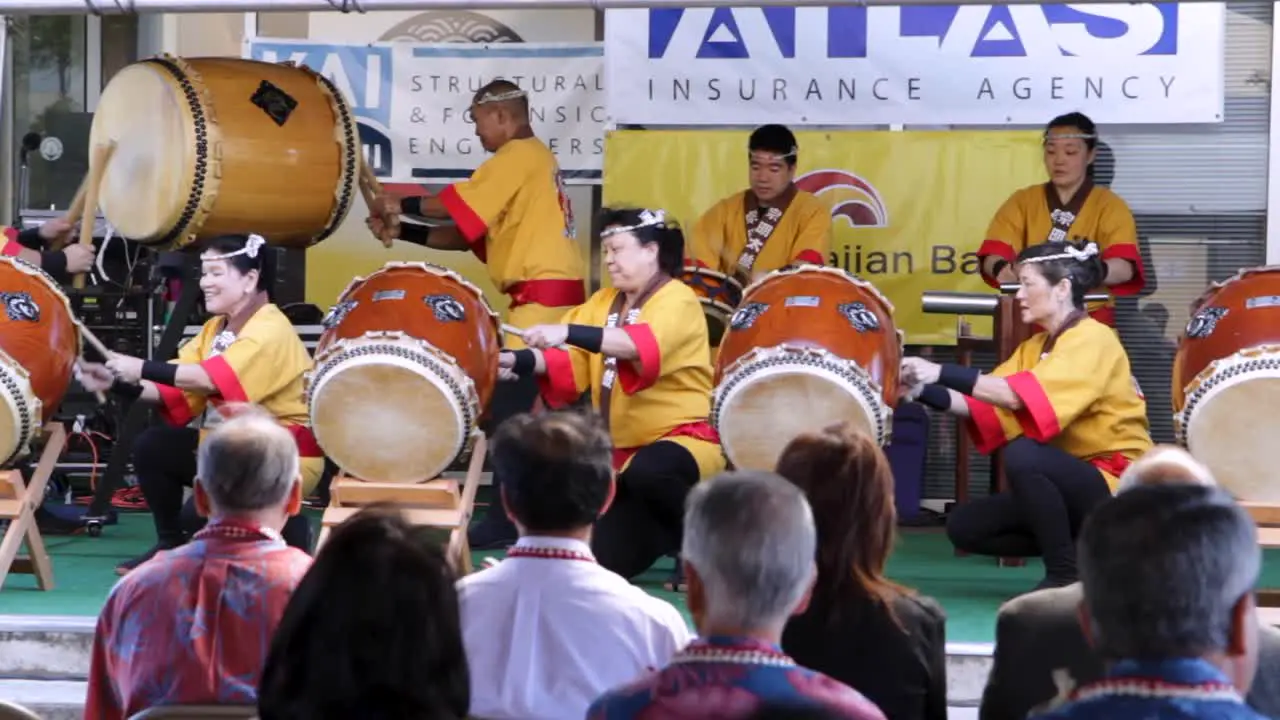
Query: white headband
(251, 247)
(790, 155)
(1069, 136)
(1068, 252)
(492, 97)
(648, 218)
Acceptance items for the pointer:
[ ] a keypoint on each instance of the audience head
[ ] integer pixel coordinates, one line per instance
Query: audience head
(849, 485)
(556, 470)
(372, 631)
(1168, 572)
(1166, 465)
(248, 466)
(749, 543)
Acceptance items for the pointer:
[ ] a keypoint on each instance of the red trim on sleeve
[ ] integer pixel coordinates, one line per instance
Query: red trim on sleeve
(224, 378)
(173, 405)
(811, 256)
(1000, 249)
(650, 360)
(558, 385)
(11, 246)
(1039, 421)
(472, 226)
(308, 447)
(984, 426)
(1128, 252)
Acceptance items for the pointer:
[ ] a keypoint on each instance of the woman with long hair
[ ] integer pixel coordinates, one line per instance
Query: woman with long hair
(861, 628)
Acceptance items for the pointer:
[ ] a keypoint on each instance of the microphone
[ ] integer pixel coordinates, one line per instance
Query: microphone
(30, 141)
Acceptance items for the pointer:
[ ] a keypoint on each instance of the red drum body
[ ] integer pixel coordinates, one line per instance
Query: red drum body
(1226, 380)
(39, 347)
(404, 372)
(719, 295)
(807, 348)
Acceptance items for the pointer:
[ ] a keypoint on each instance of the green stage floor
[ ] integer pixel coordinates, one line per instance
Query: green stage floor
(969, 588)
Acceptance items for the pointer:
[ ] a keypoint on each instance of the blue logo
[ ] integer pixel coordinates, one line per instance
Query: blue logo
(363, 74)
(1004, 32)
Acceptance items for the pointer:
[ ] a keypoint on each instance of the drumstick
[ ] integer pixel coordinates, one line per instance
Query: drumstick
(101, 156)
(512, 330)
(96, 344)
(371, 189)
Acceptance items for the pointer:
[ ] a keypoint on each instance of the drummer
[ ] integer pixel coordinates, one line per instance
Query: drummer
(248, 352)
(1064, 407)
(640, 348)
(1069, 206)
(71, 260)
(771, 224)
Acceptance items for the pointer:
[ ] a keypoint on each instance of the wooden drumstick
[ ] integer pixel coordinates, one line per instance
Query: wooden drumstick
(96, 344)
(512, 330)
(98, 165)
(371, 189)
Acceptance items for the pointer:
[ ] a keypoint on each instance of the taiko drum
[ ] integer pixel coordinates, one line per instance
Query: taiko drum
(39, 347)
(719, 295)
(807, 348)
(1226, 379)
(404, 371)
(211, 146)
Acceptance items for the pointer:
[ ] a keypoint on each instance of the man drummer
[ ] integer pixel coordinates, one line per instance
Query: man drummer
(768, 226)
(71, 260)
(514, 215)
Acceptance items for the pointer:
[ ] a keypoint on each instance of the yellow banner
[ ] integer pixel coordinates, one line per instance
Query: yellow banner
(909, 208)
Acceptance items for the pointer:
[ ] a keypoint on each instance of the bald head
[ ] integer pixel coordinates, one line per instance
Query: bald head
(248, 463)
(1166, 465)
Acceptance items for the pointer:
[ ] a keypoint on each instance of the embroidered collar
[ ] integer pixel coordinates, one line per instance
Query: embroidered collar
(548, 548)
(230, 529)
(1180, 679)
(733, 651)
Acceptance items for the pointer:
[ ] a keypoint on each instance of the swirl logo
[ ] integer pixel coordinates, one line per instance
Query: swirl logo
(452, 27)
(850, 197)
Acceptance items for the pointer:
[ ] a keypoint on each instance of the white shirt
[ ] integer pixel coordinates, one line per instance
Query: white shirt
(551, 635)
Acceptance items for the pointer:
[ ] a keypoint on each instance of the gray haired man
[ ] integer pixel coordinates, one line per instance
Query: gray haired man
(1168, 574)
(210, 604)
(749, 542)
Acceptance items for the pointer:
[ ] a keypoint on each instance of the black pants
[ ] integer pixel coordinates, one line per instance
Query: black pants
(164, 459)
(1050, 495)
(646, 519)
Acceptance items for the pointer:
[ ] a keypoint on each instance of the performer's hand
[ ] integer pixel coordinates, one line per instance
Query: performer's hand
(542, 337)
(128, 369)
(380, 230)
(79, 257)
(1007, 276)
(55, 228)
(94, 377)
(909, 393)
(918, 371)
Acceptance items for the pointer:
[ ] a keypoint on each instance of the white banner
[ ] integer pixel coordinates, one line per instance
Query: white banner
(412, 100)
(931, 65)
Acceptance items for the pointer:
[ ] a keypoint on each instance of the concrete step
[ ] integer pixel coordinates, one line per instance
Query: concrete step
(50, 699)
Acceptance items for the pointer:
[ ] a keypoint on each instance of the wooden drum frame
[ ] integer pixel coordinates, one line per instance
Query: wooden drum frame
(802, 335)
(719, 295)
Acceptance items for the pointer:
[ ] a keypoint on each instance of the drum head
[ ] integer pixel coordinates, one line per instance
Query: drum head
(771, 409)
(1227, 435)
(383, 421)
(148, 180)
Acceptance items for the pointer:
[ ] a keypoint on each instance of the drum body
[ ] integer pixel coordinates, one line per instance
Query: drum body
(39, 347)
(719, 295)
(404, 371)
(211, 146)
(1226, 382)
(807, 348)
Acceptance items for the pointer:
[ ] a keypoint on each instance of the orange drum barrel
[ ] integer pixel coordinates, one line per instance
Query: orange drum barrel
(39, 347)
(1226, 382)
(213, 146)
(719, 295)
(807, 348)
(404, 372)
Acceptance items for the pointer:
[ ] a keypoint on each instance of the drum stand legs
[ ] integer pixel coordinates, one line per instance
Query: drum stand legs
(439, 503)
(18, 504)
(1267, 516)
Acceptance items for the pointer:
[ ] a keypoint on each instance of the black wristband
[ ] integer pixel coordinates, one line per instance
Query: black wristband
(160, 372)
(128, 391)
(935, 396)
(587, 337)
(415, 233)
(1000, 265)
(54, 263)
(1106, 270)
(411, 205)
(526, 362)
(31, 239)
(958, 378)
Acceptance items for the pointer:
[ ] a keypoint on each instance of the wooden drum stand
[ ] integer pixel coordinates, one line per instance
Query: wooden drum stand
(438, 503)
(19, 501)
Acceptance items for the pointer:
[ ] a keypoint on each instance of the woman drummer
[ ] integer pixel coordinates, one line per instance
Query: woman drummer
(1064, 406)
(248, 352)
(640, 348)
(1068, 207)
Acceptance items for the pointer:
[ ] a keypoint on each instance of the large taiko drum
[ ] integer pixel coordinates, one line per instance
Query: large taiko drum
(1226, 383)
(211, 146)
(39, 347)
(719, 295)
(807, 348)
(403, 372)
